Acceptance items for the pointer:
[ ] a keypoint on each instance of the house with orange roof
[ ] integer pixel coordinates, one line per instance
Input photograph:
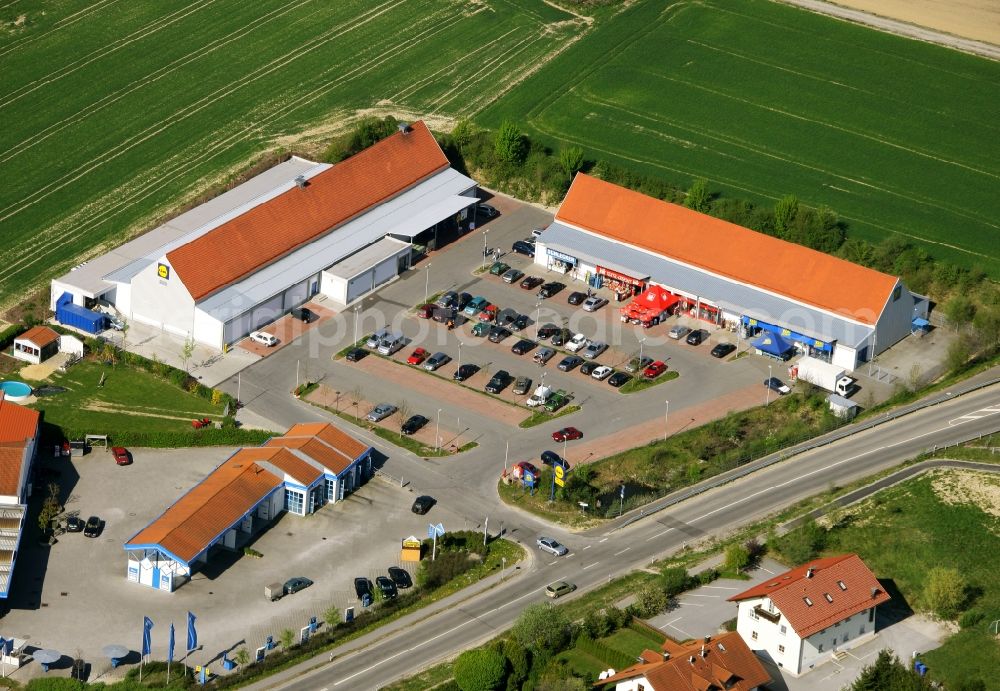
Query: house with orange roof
(720, 663)
(726, 275)
(18, 444)
(295, 231)
(311, 465)
(800, 618)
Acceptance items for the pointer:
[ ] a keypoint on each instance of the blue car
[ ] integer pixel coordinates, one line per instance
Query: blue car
(477, 305)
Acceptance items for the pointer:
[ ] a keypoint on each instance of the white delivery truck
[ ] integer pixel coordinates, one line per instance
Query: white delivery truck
(824, 375)
(539, 397)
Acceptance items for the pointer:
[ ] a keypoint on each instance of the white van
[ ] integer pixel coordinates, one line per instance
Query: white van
(391, 343)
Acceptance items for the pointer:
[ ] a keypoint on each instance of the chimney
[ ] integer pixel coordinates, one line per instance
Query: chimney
(809, 572)
(666, 657)
(300, 182)
(404, 127)
(874, 592)
(708, 639)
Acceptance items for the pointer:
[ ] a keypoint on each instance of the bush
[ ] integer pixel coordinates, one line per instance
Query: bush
(445, 567)
(195, 437)
(8, 335)
(707, 576)
(480, 669)
(970, 618)
(614, 658)
(518, 660)
(542, 628)
(675, 580)
(945, 591)
(803, 543)
(650, 600)
(737, 558)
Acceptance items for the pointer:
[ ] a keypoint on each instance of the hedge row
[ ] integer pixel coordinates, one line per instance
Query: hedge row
(213, 436)
(614, 658)
(8, 335)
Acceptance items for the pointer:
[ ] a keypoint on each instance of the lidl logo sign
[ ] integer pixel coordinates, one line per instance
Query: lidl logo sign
(163, 271)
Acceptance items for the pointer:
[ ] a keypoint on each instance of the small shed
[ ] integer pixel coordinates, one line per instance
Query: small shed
(842, 407)
(71, 345)
(36, 345)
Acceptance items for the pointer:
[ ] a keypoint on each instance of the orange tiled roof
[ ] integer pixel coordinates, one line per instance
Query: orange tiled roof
(726, 249)
(346, 447)
(41, 336)
(11, 457)
(273, 229)
(788, 592)
(724, 662)
(303, 471)
(17, 423)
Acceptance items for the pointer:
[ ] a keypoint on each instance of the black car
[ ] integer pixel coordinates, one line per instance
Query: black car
(463, 300)
(487, 211)
(499, 382)
(618, 378)
(93, 527)
(401, 577)
(522, 346)
(721, 350)
(550, 289)
(498, 333)
(294, 585)
(448, 299)
(464, 372)
(576, 297)
(74, 525)
(305, 315)
(560, 337)
(355, 354)
(589, 367)
(520, 321)
(362, 587)
(422, 504)
(522, 247)
(386, 586)
(506, 317)
(569, 362)
(696, 337)
(414, 424)
(551, 458)
(547, 331)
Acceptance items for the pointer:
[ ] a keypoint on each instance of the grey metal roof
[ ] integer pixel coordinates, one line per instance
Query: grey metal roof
(125, 261)
(368, 257)
(728, 294)
(441, 191)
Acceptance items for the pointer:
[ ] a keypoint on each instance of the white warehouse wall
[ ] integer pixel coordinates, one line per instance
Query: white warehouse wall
(165, 303)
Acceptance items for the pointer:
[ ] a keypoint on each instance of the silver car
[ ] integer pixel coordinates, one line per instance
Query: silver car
(436, 360)
(594, 349)
(679, 332)
(547, 544)
(380, 412)
(543, 355)
(593, 303)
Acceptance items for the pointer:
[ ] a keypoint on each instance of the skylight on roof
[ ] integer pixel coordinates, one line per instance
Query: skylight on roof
(808, 602)
(843, 586)
(828, 596)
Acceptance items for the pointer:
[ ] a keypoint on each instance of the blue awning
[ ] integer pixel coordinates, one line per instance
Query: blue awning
(772, 344)
(920, 323)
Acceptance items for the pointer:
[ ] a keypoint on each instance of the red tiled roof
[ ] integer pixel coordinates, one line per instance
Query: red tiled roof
(830, 602)
(17, 423)
(271, 230)
(11, 457)
(726, 249)
(724, 662)
(322, 441)
(40, 336)
(302, 471)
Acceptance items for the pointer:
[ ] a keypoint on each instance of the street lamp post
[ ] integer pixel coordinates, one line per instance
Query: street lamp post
(641, 341)
(767, 396)
(427, 282)
(356, 311)
(437, 433)
(459, 354)
(538, 313)
(666, 421)
(484, 247)
(336, 404)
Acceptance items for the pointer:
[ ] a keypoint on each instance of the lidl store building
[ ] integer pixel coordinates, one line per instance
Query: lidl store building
(727, 275)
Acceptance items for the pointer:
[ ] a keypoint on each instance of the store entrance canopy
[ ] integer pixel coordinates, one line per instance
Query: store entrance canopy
(412, 225)
(772, 344)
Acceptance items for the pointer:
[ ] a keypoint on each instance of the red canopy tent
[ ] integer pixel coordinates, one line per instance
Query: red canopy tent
(649, 305)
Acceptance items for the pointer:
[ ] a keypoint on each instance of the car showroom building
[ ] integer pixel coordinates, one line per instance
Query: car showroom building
(313, 464)
(239, 261)
(727, 275)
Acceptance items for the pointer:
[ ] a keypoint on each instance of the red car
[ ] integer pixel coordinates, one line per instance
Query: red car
(488, 314)
(654, 370)
(121, 455)
(567, 434)
(425, 311)
(417, 356)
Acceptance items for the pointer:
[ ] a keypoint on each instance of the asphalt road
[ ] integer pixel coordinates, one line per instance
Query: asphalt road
(601, 555)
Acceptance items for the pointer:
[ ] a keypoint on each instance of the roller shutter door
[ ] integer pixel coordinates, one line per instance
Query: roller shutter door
(237, 328)
(296, 295)
(358, 286)
(385, 271)
(266, 312)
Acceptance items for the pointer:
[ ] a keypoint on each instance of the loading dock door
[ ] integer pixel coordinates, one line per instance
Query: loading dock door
(385, 271)
(237, 328)
(296, 295)
(359, 285)
(267, 312)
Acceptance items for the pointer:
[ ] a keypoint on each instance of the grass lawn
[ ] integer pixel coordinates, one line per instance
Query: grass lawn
(128, 400)
(934, 520)
(629, 642)
(640, 383)
(542, 416)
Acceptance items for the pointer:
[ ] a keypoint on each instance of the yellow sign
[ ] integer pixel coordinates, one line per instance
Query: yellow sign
(163, 271)
(559, 475)
(411, 544)
(786, 332)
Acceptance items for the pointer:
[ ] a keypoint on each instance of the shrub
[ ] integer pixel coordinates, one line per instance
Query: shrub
(543, 628)
(707, 576)
(614, 658)
(675, 580)
(651, 600)
(945, 591)
(737, 558)
(518, 660)
(445, 567)
(480, 669)
(8, 335)
(970, 618)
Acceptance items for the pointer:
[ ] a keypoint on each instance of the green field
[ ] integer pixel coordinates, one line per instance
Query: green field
(116, 112)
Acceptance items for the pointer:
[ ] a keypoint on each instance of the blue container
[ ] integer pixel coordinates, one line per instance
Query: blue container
(79, 317)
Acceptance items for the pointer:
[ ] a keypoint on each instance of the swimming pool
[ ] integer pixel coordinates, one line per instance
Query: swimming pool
(15, 390)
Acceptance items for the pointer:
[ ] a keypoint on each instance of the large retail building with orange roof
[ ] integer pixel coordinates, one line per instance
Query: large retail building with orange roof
(727, 275)
(297, 230)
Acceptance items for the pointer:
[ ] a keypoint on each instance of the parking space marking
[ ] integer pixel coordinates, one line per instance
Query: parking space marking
(689, 604)
(677, 628)
(720, 587)
(623, 551)
(768, 570)
(711, 597)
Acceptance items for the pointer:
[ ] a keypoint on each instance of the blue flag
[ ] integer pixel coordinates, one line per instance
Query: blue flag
(8, 648)
(192, 634)
(147, 639)
(170, 644)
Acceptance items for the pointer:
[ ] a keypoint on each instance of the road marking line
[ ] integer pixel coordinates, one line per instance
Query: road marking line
(588, 546)
(713, 597)
(689, 604)
(589, 565)
(721, 587)
(623, 551)
(603, 540)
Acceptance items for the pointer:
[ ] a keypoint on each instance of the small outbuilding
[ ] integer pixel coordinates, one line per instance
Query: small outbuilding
(36, 345)
(842, 407)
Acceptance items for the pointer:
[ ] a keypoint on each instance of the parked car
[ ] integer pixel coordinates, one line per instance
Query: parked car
(594, 349)
(414, 424)
(506, 317)
(536, 232)
(475, 306)
(362, 587)
(464, 372)
(74, 524)
(422, 504)
(561, 336)
(121, 455)
(425, 311)
(576, 297)
(578, 342)
(304, 314)
(417, 356)
(569, 362)
(498, 333)
(386, 587)
(775, 384)
(401, 577)
(448, 299)
(93, 527)
(559, 588)
(547, 331)
(263, 338)
(638, 364)
(520, 322)
(679, 332)
(593, 303)
(523, 247)
(618, 379)
(294, 585)
(531, 282)
(721, 350)
(549, 289)
(522, 346)
(547, 544)
(602, 372)
(489, 313)
(696, 337)
(512, 275)
(463, 300)
(498, 269)
(498, 382)
(486, 210)
(355, 354)
(436, 360)
(588, 367)
(377, 337)
(543, 355)
(567, 434)
(522, 385)
(654, 370)
(380, 412)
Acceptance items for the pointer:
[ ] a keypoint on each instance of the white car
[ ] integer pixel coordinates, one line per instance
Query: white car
(594, 349)
(593, 303)
(602, 372)
(263, 338)
(547, 544)
(576, 343)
